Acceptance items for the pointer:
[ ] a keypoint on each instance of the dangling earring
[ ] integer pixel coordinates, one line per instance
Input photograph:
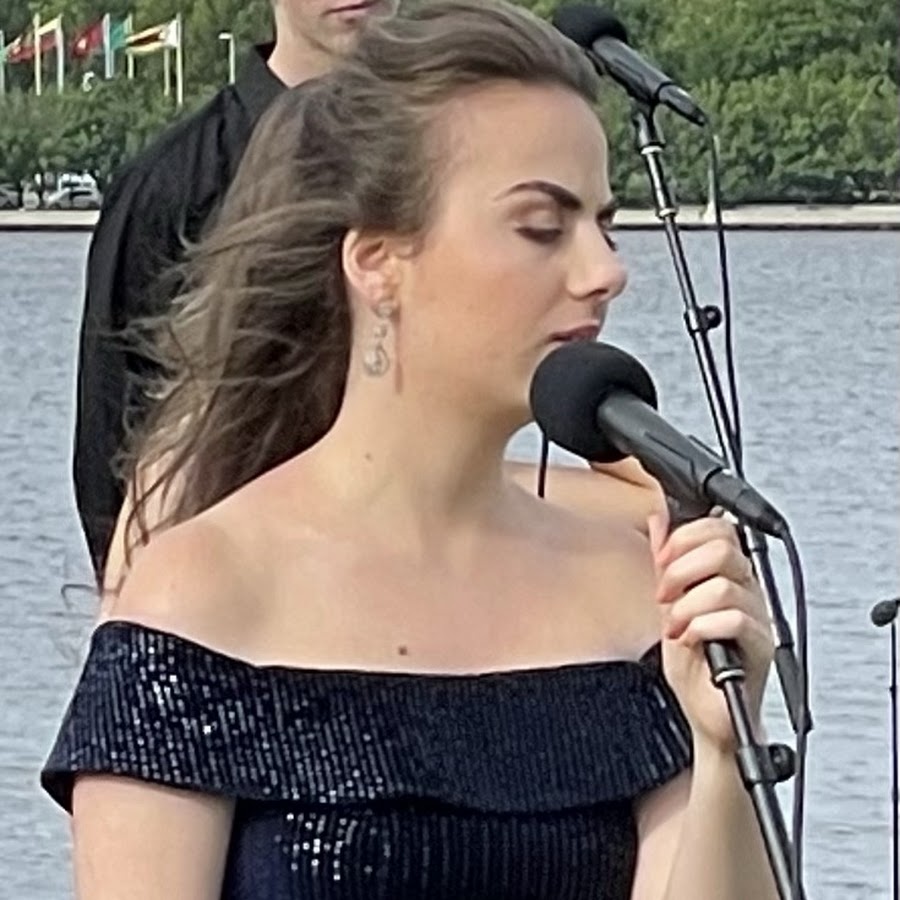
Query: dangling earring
(376, 362)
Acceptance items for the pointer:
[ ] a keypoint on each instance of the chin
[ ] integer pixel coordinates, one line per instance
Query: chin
(343, 42)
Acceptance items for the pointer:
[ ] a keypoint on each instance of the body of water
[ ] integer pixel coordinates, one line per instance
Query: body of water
(818, 338)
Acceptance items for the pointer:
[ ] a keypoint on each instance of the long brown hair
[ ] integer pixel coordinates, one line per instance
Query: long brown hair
(254, 356)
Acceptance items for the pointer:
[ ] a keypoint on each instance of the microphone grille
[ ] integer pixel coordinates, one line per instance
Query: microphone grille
(884, 612)
(585, 23)
(569, 385)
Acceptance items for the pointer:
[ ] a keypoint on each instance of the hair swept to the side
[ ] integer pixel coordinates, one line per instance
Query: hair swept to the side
(252, 359)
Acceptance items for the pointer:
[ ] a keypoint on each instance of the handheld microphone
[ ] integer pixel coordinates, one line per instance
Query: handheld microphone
(600, 403)
(884, 612)
(604, 39)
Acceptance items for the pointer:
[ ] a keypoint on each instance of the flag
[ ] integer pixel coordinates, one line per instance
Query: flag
(88, 41)
(103, 35)
(158, 37)
(166, 37)
(53, 25)
(49, 36)
(118, 34)
(20, 50)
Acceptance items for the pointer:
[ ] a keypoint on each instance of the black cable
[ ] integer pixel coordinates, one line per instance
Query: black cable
(542, 467)
(793, 555)
(790, 545)
(727, 309)
(788, 671)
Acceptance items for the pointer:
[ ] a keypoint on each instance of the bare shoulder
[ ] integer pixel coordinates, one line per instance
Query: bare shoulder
(151, 841)
(194, 579)
(621, 490)
(609, 565)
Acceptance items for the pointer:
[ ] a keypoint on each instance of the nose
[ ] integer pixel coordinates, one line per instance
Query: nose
(596, 273)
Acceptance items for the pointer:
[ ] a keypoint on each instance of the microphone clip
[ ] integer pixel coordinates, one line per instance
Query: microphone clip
(766, 764)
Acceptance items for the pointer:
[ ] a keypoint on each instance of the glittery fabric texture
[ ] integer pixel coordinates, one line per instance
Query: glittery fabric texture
(354, 784)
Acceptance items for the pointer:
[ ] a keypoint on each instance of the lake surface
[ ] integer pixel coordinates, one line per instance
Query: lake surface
(818, 338)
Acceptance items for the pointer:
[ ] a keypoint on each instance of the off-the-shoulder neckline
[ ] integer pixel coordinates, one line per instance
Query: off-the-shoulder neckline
(397, 675)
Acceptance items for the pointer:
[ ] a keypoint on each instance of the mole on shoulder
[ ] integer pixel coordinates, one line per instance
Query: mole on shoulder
(403, 650)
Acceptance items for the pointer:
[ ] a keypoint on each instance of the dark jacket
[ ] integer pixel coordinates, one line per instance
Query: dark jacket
(159, 199)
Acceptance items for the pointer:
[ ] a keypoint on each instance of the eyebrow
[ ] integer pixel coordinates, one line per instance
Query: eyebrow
(565, 198)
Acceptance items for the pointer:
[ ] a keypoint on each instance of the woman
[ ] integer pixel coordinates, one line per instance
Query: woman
(359, 661)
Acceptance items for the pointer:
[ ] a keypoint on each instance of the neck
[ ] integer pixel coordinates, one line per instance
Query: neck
(419, 470)
(293, 60)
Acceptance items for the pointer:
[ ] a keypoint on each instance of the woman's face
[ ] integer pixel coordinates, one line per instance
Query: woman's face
(518, 256)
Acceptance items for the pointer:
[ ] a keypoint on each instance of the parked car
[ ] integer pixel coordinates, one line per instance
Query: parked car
(73, 180)
(84, 197)
(9, 197)
(30, 198)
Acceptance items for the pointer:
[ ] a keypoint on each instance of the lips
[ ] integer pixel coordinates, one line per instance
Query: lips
(588, 332)
(353, 7)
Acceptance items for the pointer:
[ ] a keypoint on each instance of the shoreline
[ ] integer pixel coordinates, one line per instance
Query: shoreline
(774, 217)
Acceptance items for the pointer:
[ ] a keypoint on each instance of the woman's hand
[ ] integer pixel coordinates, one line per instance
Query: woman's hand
(708, 592)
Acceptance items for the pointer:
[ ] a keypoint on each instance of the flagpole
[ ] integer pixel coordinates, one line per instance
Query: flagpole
(179, 64)
(60, 56)
(129, 57)
(36, 23)
(167, 72)
(107, 49)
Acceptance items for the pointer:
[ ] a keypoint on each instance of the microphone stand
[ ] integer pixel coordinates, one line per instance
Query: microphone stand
(761, 767)
(895, 793)
(699, 322)
(883, 613)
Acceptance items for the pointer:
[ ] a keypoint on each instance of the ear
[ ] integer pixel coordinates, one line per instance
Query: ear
(371, 264)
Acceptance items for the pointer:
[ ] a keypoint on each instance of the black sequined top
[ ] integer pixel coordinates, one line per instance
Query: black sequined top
(386, 786)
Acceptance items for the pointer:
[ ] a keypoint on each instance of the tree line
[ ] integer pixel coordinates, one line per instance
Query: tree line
(803, 94)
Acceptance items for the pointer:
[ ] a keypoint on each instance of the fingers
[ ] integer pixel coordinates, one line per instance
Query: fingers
(718, 558)
(705, 582)
(752, 637)
(713, 596)
(694, 534)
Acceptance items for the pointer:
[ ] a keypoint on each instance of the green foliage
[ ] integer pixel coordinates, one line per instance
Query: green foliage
(30, 138)
(113, 122)
(84, 132)
(803, 93)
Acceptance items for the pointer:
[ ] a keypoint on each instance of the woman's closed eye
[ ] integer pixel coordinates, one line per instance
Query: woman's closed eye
(551, 235)
(540, 235)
